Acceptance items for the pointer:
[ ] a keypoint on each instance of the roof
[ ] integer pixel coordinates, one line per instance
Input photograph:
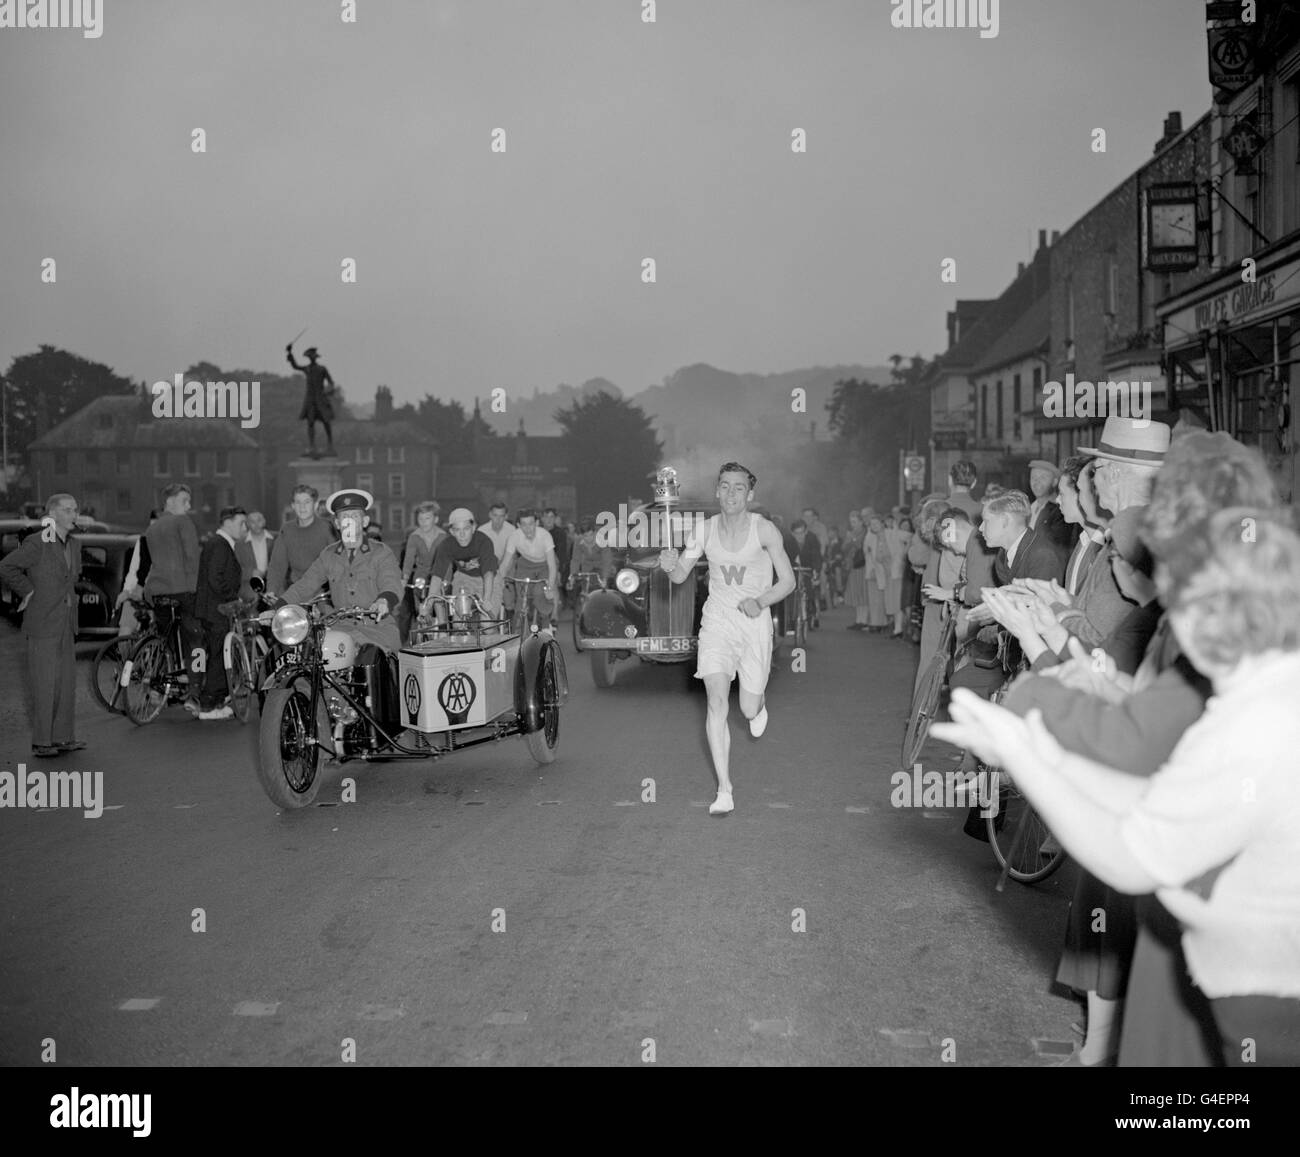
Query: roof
(1002, 314)
(1028, 334)
(126, 429)
(397, 433)
(545, 452)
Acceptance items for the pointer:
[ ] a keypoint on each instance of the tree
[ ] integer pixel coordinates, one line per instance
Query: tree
(46, 387)
(449, 424)
(612, 446)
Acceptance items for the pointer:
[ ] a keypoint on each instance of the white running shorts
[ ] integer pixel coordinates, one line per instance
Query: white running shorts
(732, 643)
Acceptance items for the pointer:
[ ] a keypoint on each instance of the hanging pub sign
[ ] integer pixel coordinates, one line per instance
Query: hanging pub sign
(1243, 143)
(1231, 45)
(1171, 227)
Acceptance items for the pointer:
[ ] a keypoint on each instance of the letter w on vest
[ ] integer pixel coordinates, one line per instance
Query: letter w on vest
(732, 573)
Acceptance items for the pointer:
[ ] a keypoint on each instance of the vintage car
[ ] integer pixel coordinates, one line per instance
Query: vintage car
(105, 559)
(644, 613)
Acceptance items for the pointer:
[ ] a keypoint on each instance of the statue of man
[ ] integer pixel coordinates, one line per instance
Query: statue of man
(316, 405)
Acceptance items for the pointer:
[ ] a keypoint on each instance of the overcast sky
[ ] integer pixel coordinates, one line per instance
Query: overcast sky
(624, 140)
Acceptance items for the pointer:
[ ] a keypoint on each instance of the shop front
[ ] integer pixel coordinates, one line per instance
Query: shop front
(1231, 348)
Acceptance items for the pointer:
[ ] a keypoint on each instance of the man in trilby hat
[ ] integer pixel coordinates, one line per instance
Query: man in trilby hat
(316, 404)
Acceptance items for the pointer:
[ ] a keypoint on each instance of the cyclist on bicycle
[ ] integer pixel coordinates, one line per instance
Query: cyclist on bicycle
(809, 554)
(467, 560)
(530, 553)
(587, 556)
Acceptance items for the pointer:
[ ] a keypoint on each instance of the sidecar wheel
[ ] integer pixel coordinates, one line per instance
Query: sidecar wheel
(288, 765)
(543, 742)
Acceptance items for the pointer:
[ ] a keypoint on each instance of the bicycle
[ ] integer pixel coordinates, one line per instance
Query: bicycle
(925, 700)
(246, 655)
(156, 672)
(584, 582)
(803, 616)
(527, 616)
(106, 673)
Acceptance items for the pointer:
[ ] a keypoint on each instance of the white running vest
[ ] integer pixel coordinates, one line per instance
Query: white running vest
(741, 574)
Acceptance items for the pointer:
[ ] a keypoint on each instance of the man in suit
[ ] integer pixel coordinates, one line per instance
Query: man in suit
(1046, 518)
(254, 553)
(43, 571)
(220, 577)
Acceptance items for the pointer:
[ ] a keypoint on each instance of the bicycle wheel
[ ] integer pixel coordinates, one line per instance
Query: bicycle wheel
(146, 691)
(801, 625)
(1018, 835)
(239, 679)
(925, 705)
(106, 674)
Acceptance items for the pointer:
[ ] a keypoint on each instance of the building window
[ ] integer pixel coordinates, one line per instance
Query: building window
(124, 502)
(396, 454)
(124, 462)
(984, 412)
(160, 463)
(365, 455)
(192, 463)
(366, 482)
(1069, 316)
(1112, 286)
(1001, 427)
(90, 462)
(60, 461)
(223, 462)
(397, 516)
(1016, 407)
(397, 486)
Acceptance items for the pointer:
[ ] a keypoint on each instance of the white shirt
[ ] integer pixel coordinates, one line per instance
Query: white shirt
(1015, 546)
(533, 550)
(261, 544)
(1228, 795)
(499, 537)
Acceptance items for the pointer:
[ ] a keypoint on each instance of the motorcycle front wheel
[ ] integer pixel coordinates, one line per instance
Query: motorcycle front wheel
(289, 760)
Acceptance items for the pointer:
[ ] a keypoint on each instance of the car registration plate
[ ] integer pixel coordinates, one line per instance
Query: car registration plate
(660, 646)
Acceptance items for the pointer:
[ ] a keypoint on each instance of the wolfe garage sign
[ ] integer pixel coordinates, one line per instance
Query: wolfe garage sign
(1271, 293)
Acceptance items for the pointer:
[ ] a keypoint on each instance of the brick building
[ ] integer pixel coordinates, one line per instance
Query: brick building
(117, 458)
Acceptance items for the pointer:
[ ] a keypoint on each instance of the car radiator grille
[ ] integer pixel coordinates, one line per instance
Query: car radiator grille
(672, 608)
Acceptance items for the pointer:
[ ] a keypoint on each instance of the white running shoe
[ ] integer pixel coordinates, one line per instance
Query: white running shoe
(722, 805)
(758, 724)
(217, 713)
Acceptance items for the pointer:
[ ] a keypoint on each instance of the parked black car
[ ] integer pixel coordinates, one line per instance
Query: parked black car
(105, 559)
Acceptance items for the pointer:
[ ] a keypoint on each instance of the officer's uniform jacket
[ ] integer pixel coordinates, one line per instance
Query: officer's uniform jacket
(372, 571)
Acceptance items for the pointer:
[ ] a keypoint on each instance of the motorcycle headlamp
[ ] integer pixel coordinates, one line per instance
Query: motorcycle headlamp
(627, 581)
(290, 625)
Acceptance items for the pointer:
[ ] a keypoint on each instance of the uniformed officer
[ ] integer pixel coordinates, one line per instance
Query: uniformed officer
(359, 571)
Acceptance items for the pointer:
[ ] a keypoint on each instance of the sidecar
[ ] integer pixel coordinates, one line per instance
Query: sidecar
(456, 688)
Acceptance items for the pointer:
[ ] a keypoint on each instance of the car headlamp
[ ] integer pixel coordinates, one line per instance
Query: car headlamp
(627, 581)
(289, 625)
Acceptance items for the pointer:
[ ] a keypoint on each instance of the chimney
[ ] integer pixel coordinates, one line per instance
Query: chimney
(1042, 238)
(1056, 236)
(383, 404)
(1173, 128)
(1020, 269)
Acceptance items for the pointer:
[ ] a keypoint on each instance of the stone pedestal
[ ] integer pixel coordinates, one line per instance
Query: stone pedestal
(325, 474)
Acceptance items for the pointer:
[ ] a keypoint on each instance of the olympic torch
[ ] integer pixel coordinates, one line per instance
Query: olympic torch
(667, 493)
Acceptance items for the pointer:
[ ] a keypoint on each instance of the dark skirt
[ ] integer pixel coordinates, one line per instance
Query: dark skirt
(1098, 961)
(1168, 1021)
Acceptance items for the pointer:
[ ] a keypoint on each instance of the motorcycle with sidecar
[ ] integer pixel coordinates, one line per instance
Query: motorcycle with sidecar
(465, 680)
